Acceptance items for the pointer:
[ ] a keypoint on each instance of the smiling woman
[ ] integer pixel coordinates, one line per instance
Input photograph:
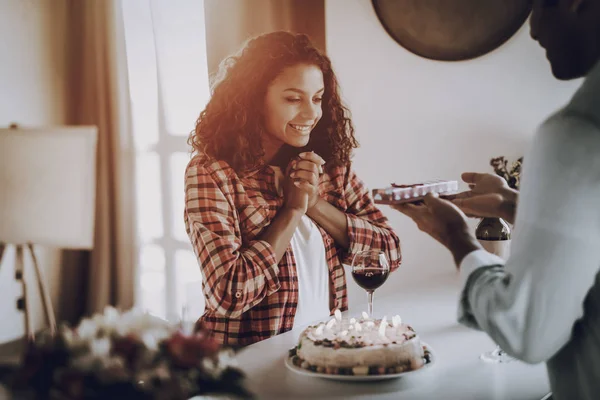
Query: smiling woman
(279, 72)
(272, 206)
(293, 107)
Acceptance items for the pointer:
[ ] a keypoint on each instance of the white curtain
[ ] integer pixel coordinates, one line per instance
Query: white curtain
(166, 57)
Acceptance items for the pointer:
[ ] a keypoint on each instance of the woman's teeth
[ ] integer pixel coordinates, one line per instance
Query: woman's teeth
(302, 128)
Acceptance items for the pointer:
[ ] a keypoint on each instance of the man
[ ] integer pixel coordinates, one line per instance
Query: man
(544, 305)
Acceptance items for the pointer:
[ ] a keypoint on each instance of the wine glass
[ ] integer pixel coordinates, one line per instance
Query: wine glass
(370, 269)
(496, 356)
(494, 235)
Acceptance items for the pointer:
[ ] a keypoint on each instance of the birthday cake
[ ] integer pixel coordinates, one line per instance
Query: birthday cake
(360, 347)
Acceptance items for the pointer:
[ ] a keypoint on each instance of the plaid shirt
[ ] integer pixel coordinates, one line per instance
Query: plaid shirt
(249, 296)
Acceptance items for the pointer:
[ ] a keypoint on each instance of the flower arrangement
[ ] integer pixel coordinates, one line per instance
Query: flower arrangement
(130, 355)
(512, 175)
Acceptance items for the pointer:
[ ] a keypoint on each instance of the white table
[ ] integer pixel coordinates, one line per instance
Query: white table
(458, 373)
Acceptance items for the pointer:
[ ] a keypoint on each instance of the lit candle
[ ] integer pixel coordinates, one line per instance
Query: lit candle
(382, 327)
(396, 321)
(365, 315)
(370, 324)
(357, 327)
(352, 321)
(330, 323)
(319, 330)
(338, 315)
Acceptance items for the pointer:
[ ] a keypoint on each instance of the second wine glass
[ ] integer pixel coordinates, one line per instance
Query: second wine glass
(370, 269)
(494, 236)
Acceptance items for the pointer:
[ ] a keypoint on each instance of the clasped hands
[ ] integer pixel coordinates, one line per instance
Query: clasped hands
(301, 181)
(446, 220)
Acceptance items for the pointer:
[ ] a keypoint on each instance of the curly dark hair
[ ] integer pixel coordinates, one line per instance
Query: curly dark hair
(231, 125)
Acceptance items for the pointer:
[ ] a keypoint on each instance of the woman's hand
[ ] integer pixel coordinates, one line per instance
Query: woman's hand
(490, 196)
(303, 174)
(294, 197)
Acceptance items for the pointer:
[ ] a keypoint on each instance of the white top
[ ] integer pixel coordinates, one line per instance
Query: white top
(544, 305)
(311, 268)
(313, 273)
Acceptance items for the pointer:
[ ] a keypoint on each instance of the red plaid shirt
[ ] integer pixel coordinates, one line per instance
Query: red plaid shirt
(249, 296)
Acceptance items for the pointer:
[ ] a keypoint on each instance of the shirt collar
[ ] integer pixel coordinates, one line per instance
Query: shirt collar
(262, 167)
(586, 100)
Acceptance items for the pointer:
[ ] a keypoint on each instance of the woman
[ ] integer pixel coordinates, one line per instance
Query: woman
(272, 206)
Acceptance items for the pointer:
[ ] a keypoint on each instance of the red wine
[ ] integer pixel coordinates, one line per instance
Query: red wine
(370, 278)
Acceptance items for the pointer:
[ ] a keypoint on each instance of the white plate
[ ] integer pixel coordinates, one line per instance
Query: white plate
(359, 378)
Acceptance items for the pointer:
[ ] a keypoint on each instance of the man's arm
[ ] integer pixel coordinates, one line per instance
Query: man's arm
(529, 306)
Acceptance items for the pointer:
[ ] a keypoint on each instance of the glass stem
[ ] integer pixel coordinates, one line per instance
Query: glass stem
(370, 301)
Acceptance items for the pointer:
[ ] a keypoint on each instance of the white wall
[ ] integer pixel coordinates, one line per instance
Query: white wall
(32, 76)
(418, 119)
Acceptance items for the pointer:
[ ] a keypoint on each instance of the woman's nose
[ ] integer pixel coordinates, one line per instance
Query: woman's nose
(310, 110)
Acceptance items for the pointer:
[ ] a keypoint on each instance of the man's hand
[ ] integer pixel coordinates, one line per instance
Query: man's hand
(443, 221)
(484, 183)
(490, 196)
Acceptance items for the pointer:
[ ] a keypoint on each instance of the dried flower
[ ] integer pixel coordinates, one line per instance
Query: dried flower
(188, 351)
(129, 355)
(512, 175)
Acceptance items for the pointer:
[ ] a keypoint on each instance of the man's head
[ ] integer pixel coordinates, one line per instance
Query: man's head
(569, 30)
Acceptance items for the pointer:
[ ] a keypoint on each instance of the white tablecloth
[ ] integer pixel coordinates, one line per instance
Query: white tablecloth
(457, 374)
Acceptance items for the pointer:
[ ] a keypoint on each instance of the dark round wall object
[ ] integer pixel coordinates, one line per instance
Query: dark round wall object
(451, 30)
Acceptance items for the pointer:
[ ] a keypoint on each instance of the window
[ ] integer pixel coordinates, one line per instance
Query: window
(168, 78)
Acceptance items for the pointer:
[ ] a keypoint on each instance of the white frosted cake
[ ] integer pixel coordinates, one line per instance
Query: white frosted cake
(360, 347)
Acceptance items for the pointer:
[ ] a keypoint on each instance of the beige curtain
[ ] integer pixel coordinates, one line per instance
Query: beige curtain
(98, 95)
(229, 23)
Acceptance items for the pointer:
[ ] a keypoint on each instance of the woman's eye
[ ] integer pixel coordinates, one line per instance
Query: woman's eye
(318, 99)
(293, 99)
